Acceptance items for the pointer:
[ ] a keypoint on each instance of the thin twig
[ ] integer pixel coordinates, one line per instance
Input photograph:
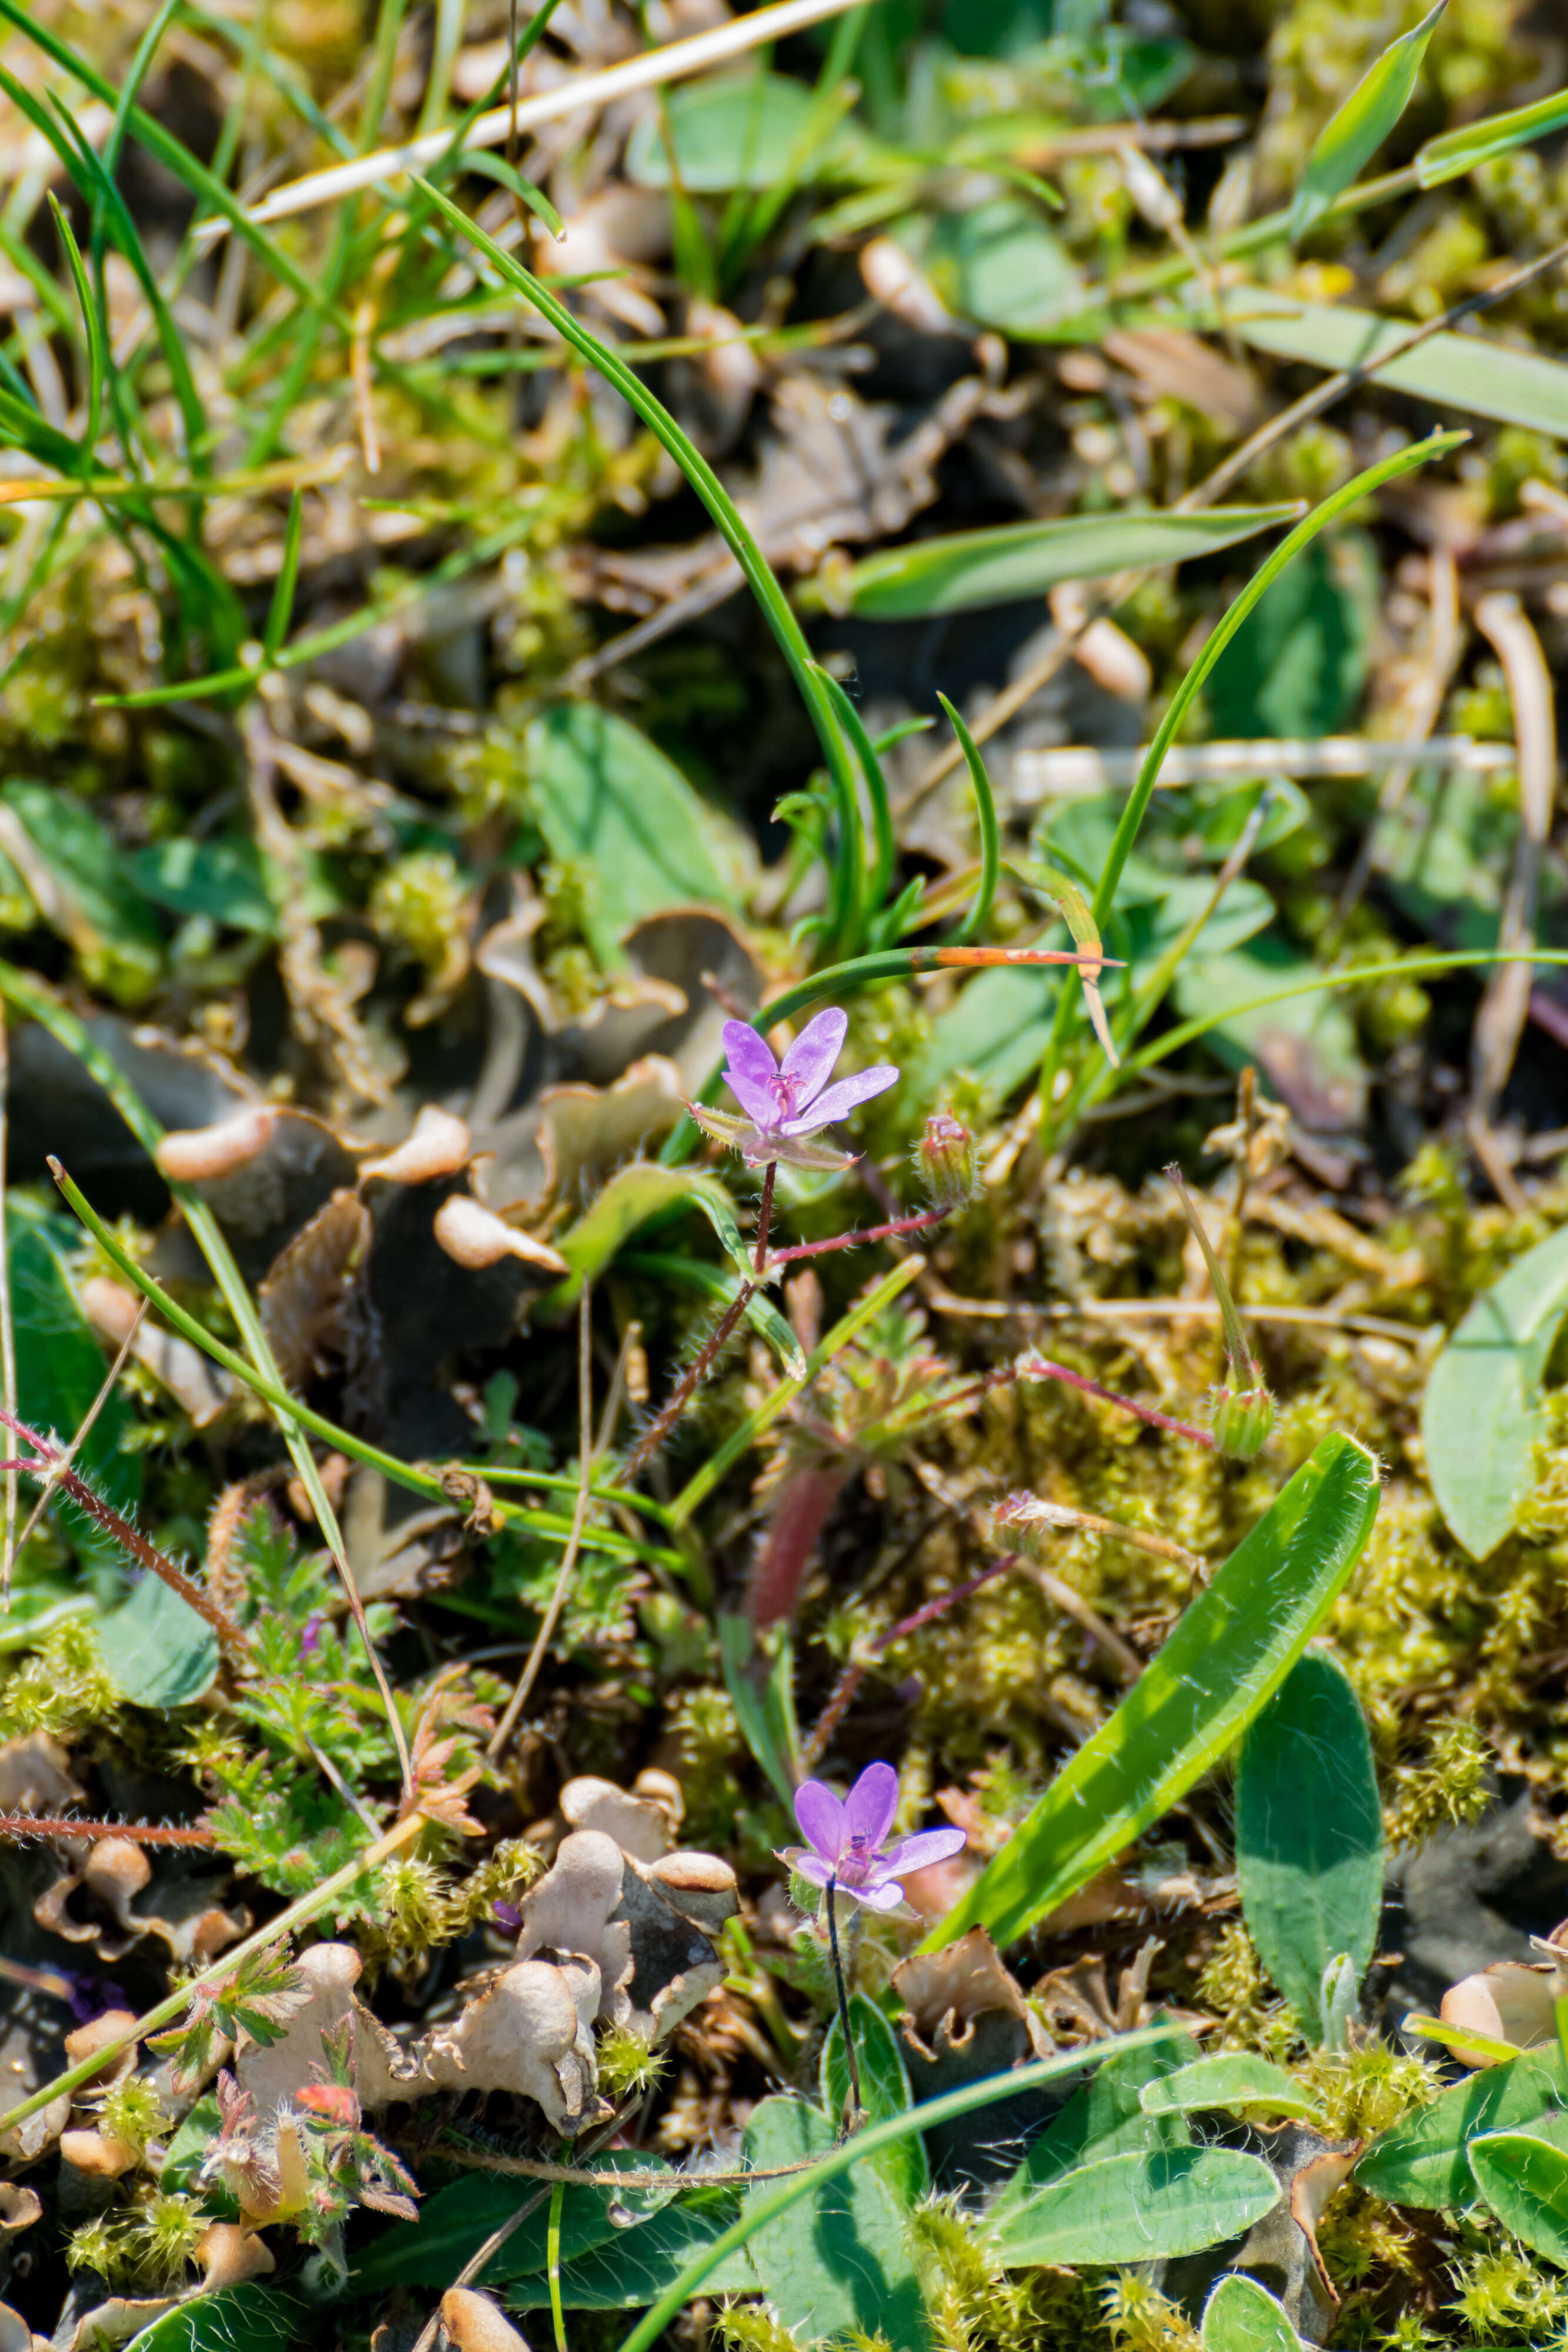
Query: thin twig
(51, 1463)
(543, 1638)
(575, 2176)
(686, 1388)
(1039, 1367)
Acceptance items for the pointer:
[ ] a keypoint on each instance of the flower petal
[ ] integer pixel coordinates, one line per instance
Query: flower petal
(750, 1071)
(930, 1845)
(871, 1805)
(810, 1866)
(846, 1096)
(822, 1819)
(809, 1060)
(886, 1895)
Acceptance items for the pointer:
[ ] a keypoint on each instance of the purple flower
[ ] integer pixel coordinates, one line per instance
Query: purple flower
(310, 1636)
(844, 1840)
(787, 1102)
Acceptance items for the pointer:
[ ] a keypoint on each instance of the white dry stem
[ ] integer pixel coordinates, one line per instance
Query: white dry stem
(1500, 1023)
(672, 62)
(1081, 768)
(1446, 641)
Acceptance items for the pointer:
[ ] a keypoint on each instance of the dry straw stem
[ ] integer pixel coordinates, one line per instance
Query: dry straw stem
(551, 1617)
(1500, 1023)
(169, 2011)
(674, 62)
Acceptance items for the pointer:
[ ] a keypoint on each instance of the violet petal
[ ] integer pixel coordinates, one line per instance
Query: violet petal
(822, 1819)
(885, 1896)
(847, 1095)
(809, 1060)
(750, 1071)
(871, 1805)
(920, 1851)
(809, 1866)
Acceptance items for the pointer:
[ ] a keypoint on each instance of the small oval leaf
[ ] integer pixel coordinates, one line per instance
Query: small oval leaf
(1243, 2317)
(1524, 2176)
(1348, 142)
(1232, 2079)
(1138, 2208)
(1480, 1414)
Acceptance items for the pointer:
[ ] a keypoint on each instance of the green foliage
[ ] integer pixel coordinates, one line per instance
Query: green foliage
(1309, 1837)
(259, 1998)
(1481, 1413)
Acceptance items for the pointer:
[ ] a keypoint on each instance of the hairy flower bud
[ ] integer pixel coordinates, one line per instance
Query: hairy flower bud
(1242, 1420)
(948, 1163)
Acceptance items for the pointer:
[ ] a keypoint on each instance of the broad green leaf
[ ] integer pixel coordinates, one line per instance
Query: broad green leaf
(1243, 2317)
(1135, 2209)
(156, 1648)
(1230, 1653)
(884, 2090)
(246, 2318)
(1481, 1413)
(223, 880)
(840, 2258)
(1299, 664)
(734, 131)
(1460, 151)
(623, 817)
(1309, 1833)
(191, 2145)
(1348, 141)
(759, 1676)
(956, 573)
(1478, 374)
(996, 262)
(632, 1196)
(1234, 2080)
(454, 2222)
(1104, 2117)
(60, 1367)
(628, 2268)
(73, 868)
(1305, 1044)
(1524, 2176)
(1424, 2160)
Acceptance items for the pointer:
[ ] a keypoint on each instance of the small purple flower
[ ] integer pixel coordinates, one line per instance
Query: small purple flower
(310, 1634)
(507, 1917)
(789, 1101)
(844, 1840)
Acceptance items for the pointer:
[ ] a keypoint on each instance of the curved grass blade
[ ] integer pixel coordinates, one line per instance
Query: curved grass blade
(1347, 143)
(1056, 1118)
(962, 571)
(876, 792)
(1230, 1653)
(975, 921)
(280, 612)
(742, 544)
(496, 167)
(92, 326)
(1460, 151)
(870, 2143)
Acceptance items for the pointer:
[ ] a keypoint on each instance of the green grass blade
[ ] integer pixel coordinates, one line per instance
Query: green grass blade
(1056, 1118)
(1229, 1652)
(975, 921)
(886, 858)
(171, 151)
(1460, 151)
(281, 610)
(1348, 142)
(927, 2116)
(496, 168)
(865, 1311)
(962, 572)
(743, 546)
(92, 326)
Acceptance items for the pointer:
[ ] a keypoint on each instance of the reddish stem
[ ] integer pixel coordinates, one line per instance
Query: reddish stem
(24, 1825)
(1038, 1366)
(901, 1225)
(654, 1438)
(853, 1674)
(52, 1468)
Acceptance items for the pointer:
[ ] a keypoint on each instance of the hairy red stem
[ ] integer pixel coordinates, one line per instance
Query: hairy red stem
(52, 1468)
(899, 1226)
(853, 1674)
(1039, 1367)
(21, 1825)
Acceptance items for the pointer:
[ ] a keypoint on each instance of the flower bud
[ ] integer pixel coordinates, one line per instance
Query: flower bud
(948, 1163)
(1242, 1420)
